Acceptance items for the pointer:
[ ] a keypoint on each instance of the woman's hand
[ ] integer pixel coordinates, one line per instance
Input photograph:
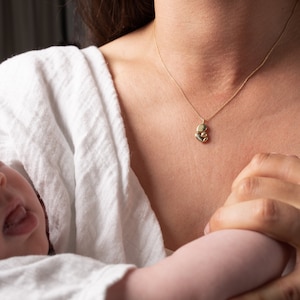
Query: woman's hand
(272, 183)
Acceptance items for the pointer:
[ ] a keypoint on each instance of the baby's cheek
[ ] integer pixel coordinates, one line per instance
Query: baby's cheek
(37, 243)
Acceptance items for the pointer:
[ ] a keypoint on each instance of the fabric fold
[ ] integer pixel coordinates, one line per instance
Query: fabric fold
(61, 122)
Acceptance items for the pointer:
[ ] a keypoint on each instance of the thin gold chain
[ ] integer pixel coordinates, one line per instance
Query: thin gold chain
(203, 129)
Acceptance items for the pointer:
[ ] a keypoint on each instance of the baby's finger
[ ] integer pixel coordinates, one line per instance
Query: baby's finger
(272, 218)
(284, 167)
(251, 188)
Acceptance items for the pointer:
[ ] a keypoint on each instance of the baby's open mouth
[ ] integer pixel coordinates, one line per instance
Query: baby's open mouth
(20, 221)
(15, 217)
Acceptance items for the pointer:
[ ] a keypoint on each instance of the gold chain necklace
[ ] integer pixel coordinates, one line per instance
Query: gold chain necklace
(201, 130)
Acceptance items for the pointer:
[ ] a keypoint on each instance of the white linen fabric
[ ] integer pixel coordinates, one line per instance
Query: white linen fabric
(61, 122)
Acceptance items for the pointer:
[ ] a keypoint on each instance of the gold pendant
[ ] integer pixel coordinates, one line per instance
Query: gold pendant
(201, 133)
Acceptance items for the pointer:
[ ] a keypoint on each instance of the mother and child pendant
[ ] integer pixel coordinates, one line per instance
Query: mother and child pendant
(201, 133)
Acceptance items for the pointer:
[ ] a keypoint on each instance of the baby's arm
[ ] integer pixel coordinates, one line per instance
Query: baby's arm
(215, 267)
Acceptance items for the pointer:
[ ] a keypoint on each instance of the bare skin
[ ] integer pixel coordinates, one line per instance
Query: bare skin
(216, 44)
(210, 46)
(271, 181)
(188, 274)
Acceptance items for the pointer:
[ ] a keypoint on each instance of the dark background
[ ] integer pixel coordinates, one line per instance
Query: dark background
(36, 24)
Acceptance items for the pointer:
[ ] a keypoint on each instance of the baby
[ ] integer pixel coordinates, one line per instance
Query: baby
(23, 217)
(229, 265)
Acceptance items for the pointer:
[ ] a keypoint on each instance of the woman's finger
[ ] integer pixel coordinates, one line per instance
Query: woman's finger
(284, 288)
(272, 218)
(284, 167)
(251, 188)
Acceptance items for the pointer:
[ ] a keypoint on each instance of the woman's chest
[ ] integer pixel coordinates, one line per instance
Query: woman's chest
(185, 180)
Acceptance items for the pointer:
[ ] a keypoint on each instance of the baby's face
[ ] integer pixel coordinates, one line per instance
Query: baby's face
(22, 217)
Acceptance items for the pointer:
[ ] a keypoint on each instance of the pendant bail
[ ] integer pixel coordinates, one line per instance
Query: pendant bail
(201, 133)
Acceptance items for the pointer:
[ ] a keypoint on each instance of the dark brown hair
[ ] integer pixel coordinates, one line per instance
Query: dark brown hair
(51, 250)
(107, 20)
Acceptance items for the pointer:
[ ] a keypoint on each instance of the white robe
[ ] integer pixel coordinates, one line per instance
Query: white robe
(60, 120)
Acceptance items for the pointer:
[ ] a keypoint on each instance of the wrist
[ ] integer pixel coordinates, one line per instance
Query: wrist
(149, 283)
(137, 284)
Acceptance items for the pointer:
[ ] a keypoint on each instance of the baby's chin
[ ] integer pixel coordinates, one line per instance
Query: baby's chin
(38, 246)
(42, 248)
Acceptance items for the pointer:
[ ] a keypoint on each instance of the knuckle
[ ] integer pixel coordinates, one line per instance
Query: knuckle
(290, 292)
(267, 211)
(247, 186)
(259, 159)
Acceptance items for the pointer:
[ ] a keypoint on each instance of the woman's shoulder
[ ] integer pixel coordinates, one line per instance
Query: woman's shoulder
(56, 58)
(52, 68)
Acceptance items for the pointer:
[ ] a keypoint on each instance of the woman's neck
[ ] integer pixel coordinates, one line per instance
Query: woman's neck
(211, 38)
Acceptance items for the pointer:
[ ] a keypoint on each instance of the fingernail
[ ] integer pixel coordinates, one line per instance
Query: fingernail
(207, 229)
